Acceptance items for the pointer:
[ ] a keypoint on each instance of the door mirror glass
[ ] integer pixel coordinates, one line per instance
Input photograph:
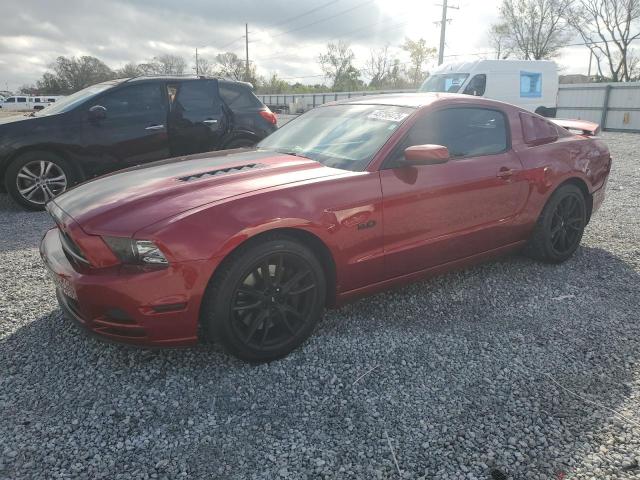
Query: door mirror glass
(426, 154)
(97, 113)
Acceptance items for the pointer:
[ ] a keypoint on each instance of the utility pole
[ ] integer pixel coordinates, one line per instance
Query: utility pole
(443, 27)
(197, 66)
(246, 47)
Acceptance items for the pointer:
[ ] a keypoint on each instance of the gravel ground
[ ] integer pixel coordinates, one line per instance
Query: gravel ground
(513, 370)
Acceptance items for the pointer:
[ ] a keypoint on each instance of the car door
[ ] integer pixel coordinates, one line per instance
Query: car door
(126, 126)
(434, 214)
(197, 122)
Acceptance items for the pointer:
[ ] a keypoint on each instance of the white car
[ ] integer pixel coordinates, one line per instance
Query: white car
(529, 84)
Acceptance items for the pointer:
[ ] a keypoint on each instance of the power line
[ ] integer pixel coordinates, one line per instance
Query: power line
(324, 19)
(303, 14)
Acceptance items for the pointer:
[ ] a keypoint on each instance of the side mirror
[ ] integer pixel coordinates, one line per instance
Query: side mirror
(426, 154)
(97, 113)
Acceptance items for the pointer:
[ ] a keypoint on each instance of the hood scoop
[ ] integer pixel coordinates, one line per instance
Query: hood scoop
(222, 171)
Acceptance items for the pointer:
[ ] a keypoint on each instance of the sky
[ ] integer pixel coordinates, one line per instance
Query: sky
(286, 36)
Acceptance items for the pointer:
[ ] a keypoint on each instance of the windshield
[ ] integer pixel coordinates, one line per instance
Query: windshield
(340, 136)
(67, 103)
(450, 82)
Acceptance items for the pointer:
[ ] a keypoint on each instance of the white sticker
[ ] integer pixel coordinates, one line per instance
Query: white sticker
(388, 115)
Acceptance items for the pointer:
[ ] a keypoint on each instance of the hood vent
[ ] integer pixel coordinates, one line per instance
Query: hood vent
(222, 171)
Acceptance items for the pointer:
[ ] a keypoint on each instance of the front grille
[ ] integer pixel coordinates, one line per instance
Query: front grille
(222, 171)
(71, 249)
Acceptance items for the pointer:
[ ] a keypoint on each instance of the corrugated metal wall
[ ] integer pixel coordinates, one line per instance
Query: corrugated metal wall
(615, 106)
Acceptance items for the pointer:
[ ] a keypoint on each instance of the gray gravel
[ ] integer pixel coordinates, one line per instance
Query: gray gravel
(513, 367)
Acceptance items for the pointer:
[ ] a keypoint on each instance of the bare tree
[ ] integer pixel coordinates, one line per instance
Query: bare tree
(419, 53)
(166, 64)
(128, 71)
(204, 67)
(608, 27)
(230, 65)
(71, 74)
(377, 66)
(536, 29)
(499, 38)
(337, 66)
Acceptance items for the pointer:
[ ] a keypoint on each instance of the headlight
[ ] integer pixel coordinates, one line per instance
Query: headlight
(138, 252)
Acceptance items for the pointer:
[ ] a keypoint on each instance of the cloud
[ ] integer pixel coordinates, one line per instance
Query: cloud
(284, 38)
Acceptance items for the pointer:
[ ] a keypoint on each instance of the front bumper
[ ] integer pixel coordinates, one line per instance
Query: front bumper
(156, 307)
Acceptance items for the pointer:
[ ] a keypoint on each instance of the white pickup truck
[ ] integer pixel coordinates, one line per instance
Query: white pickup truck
(28, 102)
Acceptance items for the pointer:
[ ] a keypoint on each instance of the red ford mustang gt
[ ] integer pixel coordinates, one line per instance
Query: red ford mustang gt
(247, 247)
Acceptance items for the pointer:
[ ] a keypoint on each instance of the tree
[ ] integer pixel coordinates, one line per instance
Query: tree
(73, 74)
(231, 66)
(377, 67)
(129, 70)
(419, 53)
(166, 64)
(608, 27)
(500, 40)
(337, 66)
(204, 67)
(535, 29)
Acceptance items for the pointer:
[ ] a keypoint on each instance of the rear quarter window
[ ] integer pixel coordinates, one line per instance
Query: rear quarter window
(238, 96)
(536, 130)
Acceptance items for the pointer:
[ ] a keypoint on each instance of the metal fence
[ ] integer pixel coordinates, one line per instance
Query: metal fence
(615, 106)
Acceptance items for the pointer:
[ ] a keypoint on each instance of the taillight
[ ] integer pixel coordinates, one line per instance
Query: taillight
(269, 116)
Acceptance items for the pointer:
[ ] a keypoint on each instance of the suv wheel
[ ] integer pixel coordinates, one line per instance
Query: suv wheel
(36, 177)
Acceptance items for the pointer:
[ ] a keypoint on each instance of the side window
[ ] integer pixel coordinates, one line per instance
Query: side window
(530, 84)
(477, 85)
(133, 100)
(197, 96)
(237, 96)
(10, 100)
(466, 132)
(22, 99)
(536, 130)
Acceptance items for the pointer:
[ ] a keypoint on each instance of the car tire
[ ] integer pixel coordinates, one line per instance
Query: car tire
(36, 177)
(559, 228)
(240, 143)
(262, 318)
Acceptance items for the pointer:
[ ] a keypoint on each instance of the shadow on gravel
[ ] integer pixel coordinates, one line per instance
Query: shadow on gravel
(20, 229)
(467, 374)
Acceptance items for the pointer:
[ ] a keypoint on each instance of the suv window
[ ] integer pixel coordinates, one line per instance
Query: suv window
(466, 132)
(134, 99)
(197, 95)
(238, 96)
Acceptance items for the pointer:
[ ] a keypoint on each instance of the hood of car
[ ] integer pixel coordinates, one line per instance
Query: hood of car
(123, 202)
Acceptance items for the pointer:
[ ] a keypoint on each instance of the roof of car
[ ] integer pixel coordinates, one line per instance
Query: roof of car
(416, 100)
(146, 78)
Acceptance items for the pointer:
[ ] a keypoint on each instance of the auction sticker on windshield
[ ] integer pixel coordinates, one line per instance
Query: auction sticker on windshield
(388, 115)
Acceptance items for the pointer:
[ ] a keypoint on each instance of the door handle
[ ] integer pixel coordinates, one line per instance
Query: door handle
(210, 121)
(155, 127)
(505, 173)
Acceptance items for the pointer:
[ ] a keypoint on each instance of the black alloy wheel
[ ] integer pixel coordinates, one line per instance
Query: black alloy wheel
(265, 300)
(567, 224)
(271, 304)
(559, 229)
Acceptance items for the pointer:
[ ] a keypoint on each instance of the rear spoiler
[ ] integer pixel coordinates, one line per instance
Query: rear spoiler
(584, 127)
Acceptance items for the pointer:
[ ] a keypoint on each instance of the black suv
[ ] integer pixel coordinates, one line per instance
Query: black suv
(121, 123)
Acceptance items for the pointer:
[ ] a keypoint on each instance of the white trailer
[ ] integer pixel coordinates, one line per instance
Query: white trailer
(529, 84)
(28, 102)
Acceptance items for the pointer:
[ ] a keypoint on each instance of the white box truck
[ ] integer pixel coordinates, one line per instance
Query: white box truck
(529, 84)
